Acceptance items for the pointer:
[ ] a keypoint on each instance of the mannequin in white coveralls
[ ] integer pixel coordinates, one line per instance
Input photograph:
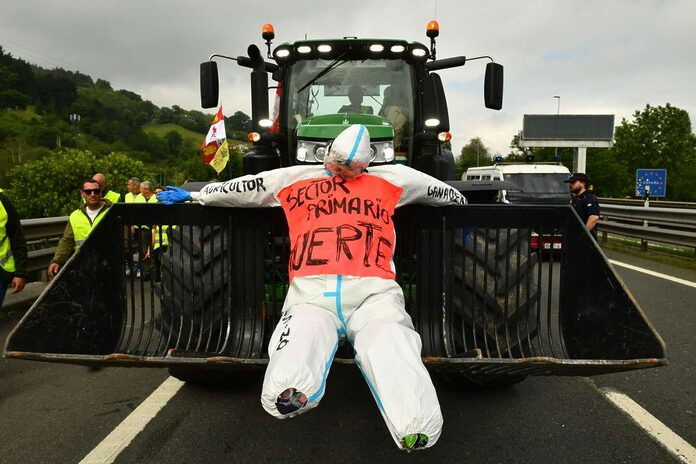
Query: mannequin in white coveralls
(342, 281)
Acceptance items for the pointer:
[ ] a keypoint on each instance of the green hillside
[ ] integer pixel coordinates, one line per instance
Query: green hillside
(195, 139)
(188, 136)
(45, 154)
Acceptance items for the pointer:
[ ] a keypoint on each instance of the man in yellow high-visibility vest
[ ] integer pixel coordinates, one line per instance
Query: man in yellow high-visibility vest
(80, 225)
(13, 249)
(133, 186)
(106, 194)
(144, 239)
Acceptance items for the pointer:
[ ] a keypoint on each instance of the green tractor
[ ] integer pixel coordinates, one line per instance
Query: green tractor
(390, 86)
(488, 309)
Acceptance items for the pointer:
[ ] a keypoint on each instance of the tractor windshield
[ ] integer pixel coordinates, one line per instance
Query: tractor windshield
(377, 87)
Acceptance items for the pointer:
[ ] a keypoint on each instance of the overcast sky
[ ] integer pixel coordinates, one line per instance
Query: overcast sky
(601, 57)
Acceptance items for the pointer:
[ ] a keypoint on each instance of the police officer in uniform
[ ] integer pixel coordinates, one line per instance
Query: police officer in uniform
(584, 201)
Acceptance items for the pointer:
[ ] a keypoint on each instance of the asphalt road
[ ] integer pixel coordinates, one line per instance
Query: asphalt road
(55, 413)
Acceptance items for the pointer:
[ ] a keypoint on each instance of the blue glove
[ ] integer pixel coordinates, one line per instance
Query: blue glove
(173, 195)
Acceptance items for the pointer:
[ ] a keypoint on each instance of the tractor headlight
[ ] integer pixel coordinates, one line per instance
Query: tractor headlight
(319, 153)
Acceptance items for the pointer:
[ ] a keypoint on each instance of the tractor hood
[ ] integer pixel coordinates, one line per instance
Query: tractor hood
(328, 126)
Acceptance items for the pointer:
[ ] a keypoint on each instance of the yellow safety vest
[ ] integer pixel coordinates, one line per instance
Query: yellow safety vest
(81, 226)
(141, 199)
(132, 197)
(6, 258)
(162, 231)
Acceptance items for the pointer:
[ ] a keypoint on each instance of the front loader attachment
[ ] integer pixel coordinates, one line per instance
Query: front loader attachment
(194, 287)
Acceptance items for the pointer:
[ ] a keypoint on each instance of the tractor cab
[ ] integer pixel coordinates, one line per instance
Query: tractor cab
(322, 86)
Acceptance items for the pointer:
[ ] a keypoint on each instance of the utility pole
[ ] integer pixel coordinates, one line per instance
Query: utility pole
(74, 120)
(558, 113)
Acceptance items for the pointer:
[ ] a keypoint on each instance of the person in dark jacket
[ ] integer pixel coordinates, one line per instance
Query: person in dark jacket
(584, 201)
(13, 249)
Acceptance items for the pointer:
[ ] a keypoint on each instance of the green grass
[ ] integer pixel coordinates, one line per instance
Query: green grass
(190, 137)
(683, 258)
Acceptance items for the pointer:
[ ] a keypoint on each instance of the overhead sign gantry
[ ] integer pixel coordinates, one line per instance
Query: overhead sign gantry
(579, 131)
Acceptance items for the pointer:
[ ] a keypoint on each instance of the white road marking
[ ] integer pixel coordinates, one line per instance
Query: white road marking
(688, 283)
(669, 440)
(119, 438)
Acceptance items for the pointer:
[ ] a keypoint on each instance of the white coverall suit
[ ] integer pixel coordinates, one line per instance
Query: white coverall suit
(343, 284)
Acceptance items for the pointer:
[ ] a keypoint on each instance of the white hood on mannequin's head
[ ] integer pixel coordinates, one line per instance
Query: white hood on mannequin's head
(349, 154)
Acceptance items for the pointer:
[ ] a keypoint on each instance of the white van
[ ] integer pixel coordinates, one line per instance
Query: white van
(541, 183)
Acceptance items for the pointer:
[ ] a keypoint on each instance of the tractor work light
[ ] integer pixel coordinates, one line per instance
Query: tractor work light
(397, 48)
(304, 49)
(282, 53)
(324, 48)
(419, 52)
(376, 48)
(388, 154)
(253, 137)
(432, 122)
(265, 123)
(444, 136)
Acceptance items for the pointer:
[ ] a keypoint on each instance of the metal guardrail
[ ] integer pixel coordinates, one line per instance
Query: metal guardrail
(653, 203)
(42, 232)
(674, 226)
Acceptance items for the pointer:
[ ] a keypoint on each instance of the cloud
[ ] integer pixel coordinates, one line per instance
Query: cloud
(606, 57)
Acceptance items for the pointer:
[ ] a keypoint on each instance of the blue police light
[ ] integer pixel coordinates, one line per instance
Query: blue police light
(498, 159)
(557, 158)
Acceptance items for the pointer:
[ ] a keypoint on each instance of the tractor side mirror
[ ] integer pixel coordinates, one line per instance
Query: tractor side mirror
(493, 86)
(210, 86)
(435, 113)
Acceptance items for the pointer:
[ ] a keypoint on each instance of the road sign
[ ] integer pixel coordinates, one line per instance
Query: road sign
(654, 179)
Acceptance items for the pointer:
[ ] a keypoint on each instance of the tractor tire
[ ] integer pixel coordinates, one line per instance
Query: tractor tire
(192, 287)
(495, 293)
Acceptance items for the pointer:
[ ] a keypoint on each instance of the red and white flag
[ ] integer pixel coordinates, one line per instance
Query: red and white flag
(216, 135)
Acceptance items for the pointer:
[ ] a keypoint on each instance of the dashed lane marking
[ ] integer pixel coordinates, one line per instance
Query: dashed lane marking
(119, 438)
(688, 283)
(669, 440)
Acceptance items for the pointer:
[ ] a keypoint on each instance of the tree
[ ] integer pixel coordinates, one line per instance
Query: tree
(660, 137)
(50, 186)
(239, 121)
(55, 94)
(475, 153)
(174, 142)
